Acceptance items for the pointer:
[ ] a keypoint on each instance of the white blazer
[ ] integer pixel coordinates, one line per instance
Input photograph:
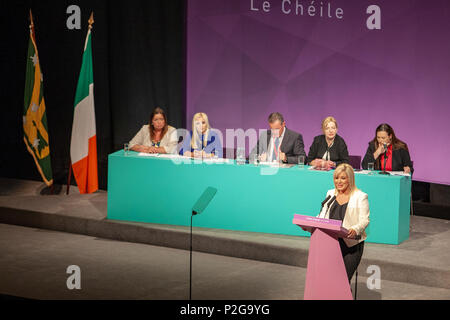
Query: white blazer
(169, 142)
(356, 215)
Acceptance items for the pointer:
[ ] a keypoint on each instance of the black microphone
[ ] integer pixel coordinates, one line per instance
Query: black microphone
(385, 160)
(329, 204)
(324, 201)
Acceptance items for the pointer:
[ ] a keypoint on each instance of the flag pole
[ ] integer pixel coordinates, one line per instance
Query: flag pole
(31, 19)
(91, 20)
(68, 177)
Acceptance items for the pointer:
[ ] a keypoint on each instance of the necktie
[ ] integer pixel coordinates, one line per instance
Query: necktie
(275, 151)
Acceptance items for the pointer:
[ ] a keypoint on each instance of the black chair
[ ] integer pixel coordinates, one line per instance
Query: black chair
(229, 153)
(355, 162)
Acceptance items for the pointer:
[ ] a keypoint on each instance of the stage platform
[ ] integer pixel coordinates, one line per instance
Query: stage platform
(423, 261)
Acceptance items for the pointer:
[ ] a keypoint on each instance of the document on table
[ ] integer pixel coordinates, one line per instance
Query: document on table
(144, 154)
(399, 173)
(363, 171)
(392, 173)
(275, 164)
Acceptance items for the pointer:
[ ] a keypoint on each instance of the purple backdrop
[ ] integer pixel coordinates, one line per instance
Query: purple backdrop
(244, 63)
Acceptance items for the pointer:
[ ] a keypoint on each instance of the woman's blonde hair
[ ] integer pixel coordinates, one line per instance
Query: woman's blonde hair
(345, 167)
(327, 120)
(195, 133)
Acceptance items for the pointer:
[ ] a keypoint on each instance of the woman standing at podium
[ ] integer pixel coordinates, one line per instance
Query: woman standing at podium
(350, 205)
(155, 137)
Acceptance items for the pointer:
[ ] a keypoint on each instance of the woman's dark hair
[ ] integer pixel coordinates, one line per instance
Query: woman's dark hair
(156, 111)
(396, 143)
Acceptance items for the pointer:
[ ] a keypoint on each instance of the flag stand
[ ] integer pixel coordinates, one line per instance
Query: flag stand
(69, 175)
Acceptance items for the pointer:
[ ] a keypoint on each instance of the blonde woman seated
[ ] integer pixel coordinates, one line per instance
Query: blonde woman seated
(203, 141)
(351, 206)
(155, 137)
(328, 148)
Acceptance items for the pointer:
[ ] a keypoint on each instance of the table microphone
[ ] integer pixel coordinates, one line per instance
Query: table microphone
(385, 160)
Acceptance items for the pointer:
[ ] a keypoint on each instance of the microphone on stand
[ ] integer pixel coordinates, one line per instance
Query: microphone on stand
(385, 160)
(325, 201)
(329, 203)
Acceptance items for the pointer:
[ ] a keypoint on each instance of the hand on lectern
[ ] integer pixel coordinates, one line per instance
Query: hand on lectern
(351, 233)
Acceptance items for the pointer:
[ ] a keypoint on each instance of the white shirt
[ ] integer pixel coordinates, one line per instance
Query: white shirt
(272, 143)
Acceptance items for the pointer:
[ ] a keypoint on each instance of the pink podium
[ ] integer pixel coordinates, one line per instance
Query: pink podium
(326, 278)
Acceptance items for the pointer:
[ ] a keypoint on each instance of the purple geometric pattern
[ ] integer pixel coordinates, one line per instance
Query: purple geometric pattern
(242, 65)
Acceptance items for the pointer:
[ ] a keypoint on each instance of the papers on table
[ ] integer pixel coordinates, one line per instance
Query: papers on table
(276, 164)
(144, 154)
(319, 168)
(363, 171)
(392, 173)
(399, 173)
(160, 155)
(183, 158)
(268, 163)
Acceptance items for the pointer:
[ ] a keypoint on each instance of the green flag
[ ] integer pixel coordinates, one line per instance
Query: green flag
(34, 116)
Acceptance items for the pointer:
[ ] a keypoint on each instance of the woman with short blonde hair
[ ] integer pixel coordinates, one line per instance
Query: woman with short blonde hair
(329, 148)
(345, 167)
(326, 121)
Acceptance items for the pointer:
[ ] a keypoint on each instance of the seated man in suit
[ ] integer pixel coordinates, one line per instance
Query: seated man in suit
(279, 142)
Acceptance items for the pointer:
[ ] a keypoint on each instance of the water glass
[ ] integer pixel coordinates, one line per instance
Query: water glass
(370, 167)
(240, 157)
(301, 162)
(126, 148)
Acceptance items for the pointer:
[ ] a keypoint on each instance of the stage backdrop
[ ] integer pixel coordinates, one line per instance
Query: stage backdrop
(363, 62)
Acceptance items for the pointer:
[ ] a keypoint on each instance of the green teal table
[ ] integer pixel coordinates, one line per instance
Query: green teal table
(249, 198)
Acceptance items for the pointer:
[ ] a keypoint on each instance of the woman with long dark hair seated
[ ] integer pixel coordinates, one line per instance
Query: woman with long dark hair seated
(157, 136)
(397, 153)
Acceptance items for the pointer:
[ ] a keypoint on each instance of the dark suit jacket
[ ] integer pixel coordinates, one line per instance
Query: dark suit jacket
(338, 151)
(292, 145)
(400, 159)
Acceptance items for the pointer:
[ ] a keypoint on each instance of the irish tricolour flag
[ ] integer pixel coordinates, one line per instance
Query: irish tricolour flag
(83, 145)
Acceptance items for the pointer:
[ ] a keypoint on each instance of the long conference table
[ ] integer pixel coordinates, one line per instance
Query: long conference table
(254, 198)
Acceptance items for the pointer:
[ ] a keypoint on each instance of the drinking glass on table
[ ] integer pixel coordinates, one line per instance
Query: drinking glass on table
(301, 162)
(370, 167)
(240, 157)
